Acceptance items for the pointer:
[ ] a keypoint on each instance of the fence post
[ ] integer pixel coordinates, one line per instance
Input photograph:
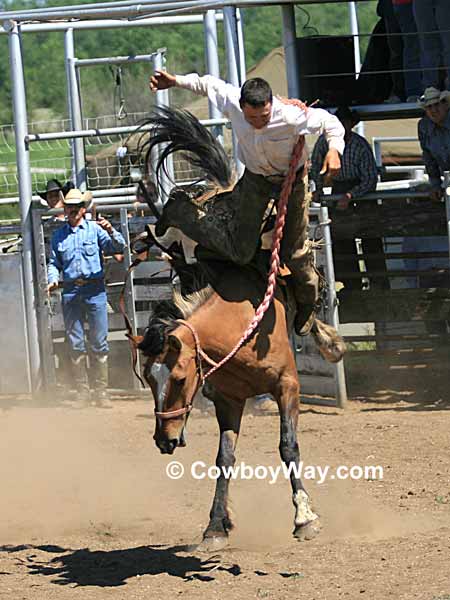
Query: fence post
(290, 51)
(76, 121)
(333, 315)
(231, 47)
(25, 197)
(212, 64)
(162, 99)
(43, 304)
(130, 305)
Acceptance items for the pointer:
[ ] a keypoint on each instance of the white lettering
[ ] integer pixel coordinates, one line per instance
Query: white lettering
(194, 473)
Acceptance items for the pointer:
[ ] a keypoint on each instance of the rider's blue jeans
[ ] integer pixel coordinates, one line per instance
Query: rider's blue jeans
(83, 304)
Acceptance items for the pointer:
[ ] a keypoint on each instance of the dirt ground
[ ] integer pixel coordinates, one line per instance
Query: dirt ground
(88, 511)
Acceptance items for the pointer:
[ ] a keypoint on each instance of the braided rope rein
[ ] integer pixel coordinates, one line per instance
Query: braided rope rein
(286, 190)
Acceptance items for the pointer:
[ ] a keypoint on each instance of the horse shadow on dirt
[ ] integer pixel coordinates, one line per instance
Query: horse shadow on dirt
(112, 568)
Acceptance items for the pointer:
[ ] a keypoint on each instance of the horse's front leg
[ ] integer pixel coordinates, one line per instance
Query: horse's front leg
(229, 416)
(306, 522)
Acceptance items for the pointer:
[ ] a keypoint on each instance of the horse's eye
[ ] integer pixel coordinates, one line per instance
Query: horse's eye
(178, 379)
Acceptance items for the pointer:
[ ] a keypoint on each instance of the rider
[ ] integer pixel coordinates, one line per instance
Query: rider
(267, 130)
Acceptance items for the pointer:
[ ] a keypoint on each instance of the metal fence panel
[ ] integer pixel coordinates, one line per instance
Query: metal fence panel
(14, 372)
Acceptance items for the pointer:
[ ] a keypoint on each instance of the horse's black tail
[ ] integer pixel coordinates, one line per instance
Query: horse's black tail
(179, 130)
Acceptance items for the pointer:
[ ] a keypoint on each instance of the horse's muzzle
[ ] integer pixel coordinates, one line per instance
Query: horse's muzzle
(167, 446)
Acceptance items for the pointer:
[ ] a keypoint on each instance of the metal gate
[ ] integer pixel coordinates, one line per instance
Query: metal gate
(15, 372)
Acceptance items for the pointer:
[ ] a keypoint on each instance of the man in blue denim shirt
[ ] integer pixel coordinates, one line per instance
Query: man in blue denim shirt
(77, 250)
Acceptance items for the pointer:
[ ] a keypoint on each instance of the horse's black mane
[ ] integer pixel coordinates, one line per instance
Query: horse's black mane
(162, 322)
(194, 289)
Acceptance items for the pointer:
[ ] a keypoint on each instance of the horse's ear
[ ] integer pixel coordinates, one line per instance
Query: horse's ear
(174, 343)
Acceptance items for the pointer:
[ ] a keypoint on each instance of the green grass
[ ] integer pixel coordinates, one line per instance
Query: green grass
(47, 155)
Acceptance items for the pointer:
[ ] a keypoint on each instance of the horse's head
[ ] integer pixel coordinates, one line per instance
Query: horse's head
(171, 371)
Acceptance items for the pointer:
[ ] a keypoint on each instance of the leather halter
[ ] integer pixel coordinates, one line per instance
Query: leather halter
(199, 356)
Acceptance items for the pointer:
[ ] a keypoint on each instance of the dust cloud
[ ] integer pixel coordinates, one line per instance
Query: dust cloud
(63, 470)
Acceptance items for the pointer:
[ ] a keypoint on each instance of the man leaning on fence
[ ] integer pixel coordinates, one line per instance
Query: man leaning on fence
(77, 250)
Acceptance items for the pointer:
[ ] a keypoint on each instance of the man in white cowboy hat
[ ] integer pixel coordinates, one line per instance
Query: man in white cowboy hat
(434, 136)
(77, 250)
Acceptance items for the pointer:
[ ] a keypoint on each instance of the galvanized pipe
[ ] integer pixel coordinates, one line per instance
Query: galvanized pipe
(354, 28)
(333, 315)
(69, 54)
(241, 46)
(290, 51)
(76, 121)
(111, 24)
(61, 135)
(25, 194)
(162, 99)
(131, 9)
(382, 195)
(229, 26)
(113, 60)
(212, 63)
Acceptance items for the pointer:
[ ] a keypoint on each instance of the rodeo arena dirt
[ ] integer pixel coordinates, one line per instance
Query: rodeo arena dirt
(160, 491)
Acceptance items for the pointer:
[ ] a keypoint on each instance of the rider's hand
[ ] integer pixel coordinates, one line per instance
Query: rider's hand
(161, 80)
(332, 163)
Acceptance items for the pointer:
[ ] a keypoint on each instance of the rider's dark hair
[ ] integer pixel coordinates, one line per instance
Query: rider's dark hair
(256, 92)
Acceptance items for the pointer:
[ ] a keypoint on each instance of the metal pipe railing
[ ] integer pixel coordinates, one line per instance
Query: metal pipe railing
(378, 140)
(61, 135)
(131, 9)
(114, 60)
(111, 24)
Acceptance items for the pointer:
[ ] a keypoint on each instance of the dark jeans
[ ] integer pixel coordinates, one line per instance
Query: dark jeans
(229, 224)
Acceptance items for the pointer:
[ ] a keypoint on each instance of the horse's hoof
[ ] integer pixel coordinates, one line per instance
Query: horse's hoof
(308, 531)
(211, 544)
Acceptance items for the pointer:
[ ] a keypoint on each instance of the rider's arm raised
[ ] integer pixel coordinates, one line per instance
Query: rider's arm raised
(219, 92)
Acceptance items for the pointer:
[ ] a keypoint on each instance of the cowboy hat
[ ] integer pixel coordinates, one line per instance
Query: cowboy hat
(344, 113)
(53, 185)
(76, 196)
(432, 96)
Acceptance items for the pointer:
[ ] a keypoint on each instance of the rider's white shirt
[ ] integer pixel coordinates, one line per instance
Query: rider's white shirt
(266, 151)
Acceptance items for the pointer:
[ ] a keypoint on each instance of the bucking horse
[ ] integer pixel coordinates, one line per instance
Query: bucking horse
(187, 339)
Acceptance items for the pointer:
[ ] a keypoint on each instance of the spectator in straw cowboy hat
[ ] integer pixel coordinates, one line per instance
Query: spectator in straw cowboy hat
(434, 136)
(77, 250)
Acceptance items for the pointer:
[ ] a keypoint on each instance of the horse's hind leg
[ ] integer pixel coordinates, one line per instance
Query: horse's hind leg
(306, 522)
(229, 416)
